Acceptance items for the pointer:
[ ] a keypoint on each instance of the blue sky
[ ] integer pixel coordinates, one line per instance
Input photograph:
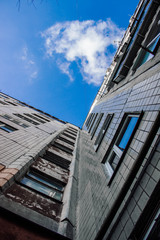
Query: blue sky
(54, 55)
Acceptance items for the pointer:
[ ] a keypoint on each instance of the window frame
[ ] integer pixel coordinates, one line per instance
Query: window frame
(90, 120)
(140, 60)
(93, 121)
(42, 181)
(10, 118)
(140, 28)
(33, 117)
(47, 120)
(147, 217)
(4, 127)
(26, 119)
(96, 125)
(113, 149)
(103, 131)
(152, 226)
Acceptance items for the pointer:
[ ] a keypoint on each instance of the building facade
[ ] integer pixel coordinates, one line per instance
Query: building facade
(38, 170)
(99, 182)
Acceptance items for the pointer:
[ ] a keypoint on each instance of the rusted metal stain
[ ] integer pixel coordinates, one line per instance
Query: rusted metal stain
(51, 169)
(34, 201)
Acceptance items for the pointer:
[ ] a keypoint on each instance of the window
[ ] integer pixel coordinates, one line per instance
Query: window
(120, 142)
(26, 118)
(7, 128)
(147, 226)
(148, 52)
(139, 29)
(64, 148)
(1, 95)
(15, 121)
(88, 120)
(154, 229)
(4, 103)
(43, 185)
(102, 131)
(94, 118)
(150, 44)
(67, 134)
(41, 117)
(35, 118)
(62, 138)
(96, 125)
(11, 103)
(56, 159)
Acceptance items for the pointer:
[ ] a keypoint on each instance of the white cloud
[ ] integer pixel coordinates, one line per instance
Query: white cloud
(88, 43)
(64, 67)
(29, 64)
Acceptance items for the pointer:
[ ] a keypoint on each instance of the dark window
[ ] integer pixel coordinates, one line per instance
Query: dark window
(147, 226)
(138, 31)
(7, 128)
(150, 45)
(93, 121)
(43, 185)
(41, 117)
(56, 159)
(148, 52)
(35, 118)
(61, 137)
(103, 131)
(64, 148)
(4, 103)
(11, 103)
(67, 134)
(90, 119)
(153, 232)
(26, 119)
(15, 121)
(96, 125)
(1, 95)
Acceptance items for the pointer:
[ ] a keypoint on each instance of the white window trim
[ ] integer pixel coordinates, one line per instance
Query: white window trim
(109, 169)
(117, 151)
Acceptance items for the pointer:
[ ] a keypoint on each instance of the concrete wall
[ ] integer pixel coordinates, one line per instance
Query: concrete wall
(26, 148)
(140, 92)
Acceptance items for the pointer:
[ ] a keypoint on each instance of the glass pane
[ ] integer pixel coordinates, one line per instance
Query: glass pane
(6, 116)
(114, 161)
(24, 125)
(128, 132)
(151, 47)
(51, 184)
(7, 128)
(41, 188)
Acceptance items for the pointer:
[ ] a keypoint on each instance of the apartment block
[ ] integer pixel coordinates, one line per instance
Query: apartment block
(99, 182)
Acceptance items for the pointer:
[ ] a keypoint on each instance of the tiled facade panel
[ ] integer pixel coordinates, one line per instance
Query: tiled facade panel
(94, 196)
(137, 202)
(38, 179)
(15, 144)
(101, 182)
(124, 102)
(91, 173)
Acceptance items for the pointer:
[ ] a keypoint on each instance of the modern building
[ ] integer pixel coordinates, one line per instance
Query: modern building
(99, 182)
